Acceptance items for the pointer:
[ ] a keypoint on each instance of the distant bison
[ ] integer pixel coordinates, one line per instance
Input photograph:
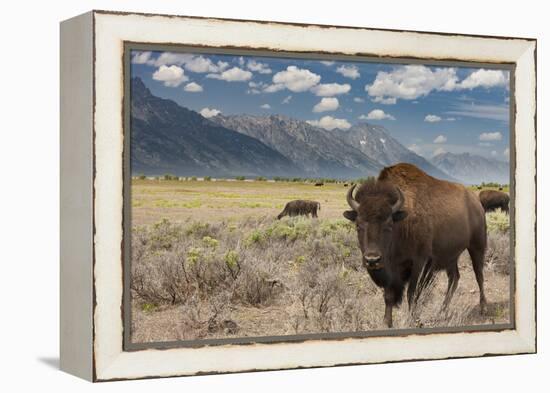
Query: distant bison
(492, 200)
(300, 208)
(410, 225)
(346, 184)
(319, 184)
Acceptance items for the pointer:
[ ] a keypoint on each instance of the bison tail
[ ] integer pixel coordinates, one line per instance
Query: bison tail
(318, 206)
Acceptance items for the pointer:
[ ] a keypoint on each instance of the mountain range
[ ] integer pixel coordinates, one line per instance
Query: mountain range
(473, 169)
(169, 138)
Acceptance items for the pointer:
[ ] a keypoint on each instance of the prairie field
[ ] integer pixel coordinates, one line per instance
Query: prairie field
(210, 260)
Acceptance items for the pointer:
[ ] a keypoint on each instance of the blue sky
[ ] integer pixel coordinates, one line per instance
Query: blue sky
(429, 109)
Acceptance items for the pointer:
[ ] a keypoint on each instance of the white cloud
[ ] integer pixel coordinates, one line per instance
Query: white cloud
(490, 136)
(358, 99)
(477, 111)
(234, 74)
(327, 63)
(330, 123)
(506, 153)
(241, 61)
(192, 63)
(169, 58)
(415, 148)
(440, 139)
(208, 113)
(265, 106)
(438, 151)
(450, 119)
(172, 76)
(385, 101)
(326, 104)
(411, 81)
(286, 100)
(295, 79)
(274, 88)
(141, 58)
(193, 87)
(261, 68)
(201, 64)
(349, 71)
(330, 89)
(432, 118)
(377, 114)
(484, 78)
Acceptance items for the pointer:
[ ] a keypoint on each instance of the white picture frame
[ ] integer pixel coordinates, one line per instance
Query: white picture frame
(92, 194)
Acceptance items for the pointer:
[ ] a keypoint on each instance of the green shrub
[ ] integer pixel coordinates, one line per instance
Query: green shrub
(210, 242)
(498, 221)
(207, 178)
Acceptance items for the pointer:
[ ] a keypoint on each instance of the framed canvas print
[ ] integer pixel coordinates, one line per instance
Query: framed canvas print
(246, 195)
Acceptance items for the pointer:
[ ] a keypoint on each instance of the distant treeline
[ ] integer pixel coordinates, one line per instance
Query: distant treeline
(322, 180)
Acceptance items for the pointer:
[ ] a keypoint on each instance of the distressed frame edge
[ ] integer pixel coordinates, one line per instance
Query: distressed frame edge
(528, 340)
(76, 196)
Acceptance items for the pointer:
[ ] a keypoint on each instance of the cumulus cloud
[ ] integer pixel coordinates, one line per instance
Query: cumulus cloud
(432, 118)
(273, 88)
(385, 101)
(413, 81)
(326, 104)
(172, 76)
(141, 58)
(294, 79)
(438, 151)
(330, 123)
(261, 68)
(440, 139)
(490, 136)
(327, 63)
(377, 114)
(330, 89)
(190, 62)
(193, 87)
(234, 74)
(286, 100)
(358, 100)
(209, 112)
(265, 106)
(415, 148)
(349, 71)
(485, 78)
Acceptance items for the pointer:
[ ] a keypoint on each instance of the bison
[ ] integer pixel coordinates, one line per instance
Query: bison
(410, 225)
(319, 184)
(491, 200)
(300, 208)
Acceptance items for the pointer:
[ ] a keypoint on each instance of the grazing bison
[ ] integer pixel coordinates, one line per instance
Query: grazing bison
(319, 184)
(491, 200)
(300, 208)
(411, 225)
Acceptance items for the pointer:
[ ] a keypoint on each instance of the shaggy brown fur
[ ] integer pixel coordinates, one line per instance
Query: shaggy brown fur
(492, 200)
(300, 208)
(406, 241)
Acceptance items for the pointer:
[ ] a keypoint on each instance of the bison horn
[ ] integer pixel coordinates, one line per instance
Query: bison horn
(351, 201)
(400, 200)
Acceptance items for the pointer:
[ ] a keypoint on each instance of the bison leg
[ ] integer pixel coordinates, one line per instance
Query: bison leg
(389, 300)
(413, 281)
(453, 276)
(478, 256)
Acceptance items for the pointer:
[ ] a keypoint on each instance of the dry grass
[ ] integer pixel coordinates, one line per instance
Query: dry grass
(234, 271)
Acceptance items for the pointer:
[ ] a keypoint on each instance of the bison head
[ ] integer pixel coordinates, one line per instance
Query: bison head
(375, 209)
